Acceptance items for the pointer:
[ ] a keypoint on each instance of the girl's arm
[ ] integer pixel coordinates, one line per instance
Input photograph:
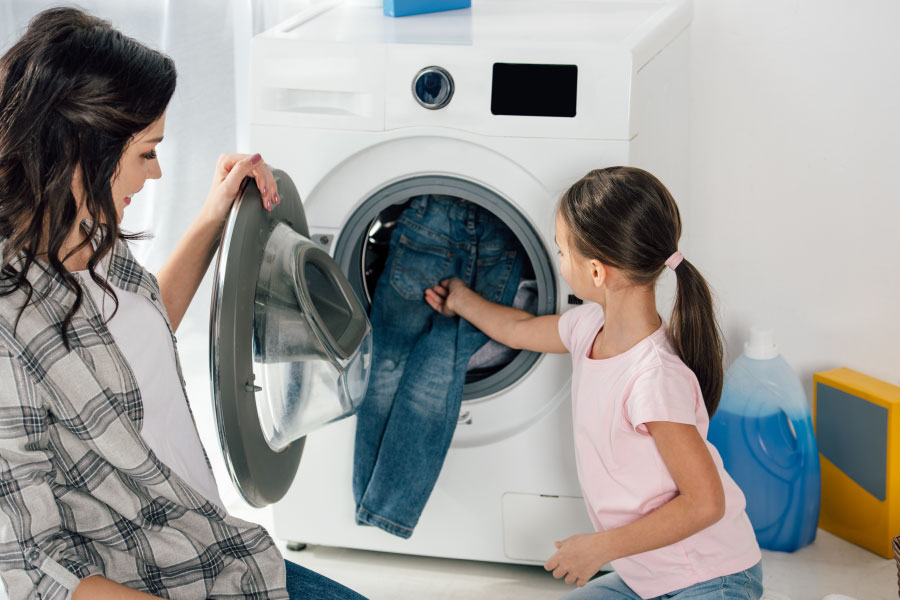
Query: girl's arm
(182, 272)
(700, 503)
(510, 326)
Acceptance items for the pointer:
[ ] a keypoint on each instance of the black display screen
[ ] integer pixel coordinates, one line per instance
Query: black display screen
(534, 90)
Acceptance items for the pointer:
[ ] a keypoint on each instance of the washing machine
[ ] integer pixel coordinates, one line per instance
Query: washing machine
(505, 105)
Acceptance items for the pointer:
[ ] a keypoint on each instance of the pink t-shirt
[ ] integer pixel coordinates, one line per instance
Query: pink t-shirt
(621, 473)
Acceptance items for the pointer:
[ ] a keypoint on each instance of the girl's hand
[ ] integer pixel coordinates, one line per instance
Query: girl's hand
(578, 558)
(444, 295)
(229, 173)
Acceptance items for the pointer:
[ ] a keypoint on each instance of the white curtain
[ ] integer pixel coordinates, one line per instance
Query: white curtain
(209, 40)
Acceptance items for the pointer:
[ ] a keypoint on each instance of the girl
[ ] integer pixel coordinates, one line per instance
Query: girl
(666, 513)
(105, 491)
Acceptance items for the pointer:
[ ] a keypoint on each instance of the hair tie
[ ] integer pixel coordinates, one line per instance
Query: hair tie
(673, 261)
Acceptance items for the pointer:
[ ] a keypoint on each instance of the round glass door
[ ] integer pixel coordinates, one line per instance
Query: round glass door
(361, 251)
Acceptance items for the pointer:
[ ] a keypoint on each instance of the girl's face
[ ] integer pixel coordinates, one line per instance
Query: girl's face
(576, 270)
(137, 165)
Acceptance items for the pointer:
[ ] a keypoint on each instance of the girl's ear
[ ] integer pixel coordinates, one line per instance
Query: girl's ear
(598, 272)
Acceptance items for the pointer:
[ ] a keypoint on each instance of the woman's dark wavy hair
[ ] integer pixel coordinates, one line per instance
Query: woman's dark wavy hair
(73, 92)
(627, 219)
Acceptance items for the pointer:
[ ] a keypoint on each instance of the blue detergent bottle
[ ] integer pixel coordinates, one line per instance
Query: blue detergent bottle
(764, 432)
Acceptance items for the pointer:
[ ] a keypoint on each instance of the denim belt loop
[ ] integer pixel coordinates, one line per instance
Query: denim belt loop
(422, 205)
(471, 216)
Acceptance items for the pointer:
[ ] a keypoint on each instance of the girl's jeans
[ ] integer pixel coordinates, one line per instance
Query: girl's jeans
(406, 421)
(746, 585)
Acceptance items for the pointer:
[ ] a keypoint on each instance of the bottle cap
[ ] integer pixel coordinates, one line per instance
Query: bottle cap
(761, 345)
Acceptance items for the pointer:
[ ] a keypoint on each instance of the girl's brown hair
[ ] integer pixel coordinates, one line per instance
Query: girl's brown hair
(627, 219)
(73, 92)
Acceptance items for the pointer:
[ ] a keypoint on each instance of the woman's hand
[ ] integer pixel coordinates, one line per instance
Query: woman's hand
(578, 558)
(230, 172)
(443, 296)
(180, 276)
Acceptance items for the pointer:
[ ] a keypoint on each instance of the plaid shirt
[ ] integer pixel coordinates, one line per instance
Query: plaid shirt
(80, 491)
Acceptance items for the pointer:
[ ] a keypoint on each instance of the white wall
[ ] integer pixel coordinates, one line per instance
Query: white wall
(795, 153)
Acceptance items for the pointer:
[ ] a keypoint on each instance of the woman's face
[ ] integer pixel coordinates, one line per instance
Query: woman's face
(137, 165)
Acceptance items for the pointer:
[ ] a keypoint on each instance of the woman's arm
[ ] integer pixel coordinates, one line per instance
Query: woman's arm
(97, 587)
(182, 272)
(700, 503)
(511, 326)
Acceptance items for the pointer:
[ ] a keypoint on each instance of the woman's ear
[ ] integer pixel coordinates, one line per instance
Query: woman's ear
(599, 272)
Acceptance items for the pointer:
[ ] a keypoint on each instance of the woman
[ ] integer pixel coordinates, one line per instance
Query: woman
(104, 488)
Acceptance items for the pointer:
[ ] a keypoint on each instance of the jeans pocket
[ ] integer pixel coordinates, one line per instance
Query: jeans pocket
(493, 268)
(416, 266)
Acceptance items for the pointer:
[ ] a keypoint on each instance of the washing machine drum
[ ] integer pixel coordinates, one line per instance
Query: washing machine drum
(290, 343)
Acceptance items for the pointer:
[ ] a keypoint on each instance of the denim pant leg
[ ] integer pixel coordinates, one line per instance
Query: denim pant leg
(605, 587)
(421, 254)
(423, 413)
(397, 322)
(305, 584)
(415, 441)
(745, 585)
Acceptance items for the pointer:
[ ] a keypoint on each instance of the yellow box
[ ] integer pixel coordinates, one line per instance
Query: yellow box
(857, 422)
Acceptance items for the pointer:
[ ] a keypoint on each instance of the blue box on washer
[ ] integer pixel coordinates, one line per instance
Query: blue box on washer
(402, 8)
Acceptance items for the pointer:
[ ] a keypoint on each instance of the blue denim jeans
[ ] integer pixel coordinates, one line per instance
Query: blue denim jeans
(303, 583)
(406, 421)
(746, 585)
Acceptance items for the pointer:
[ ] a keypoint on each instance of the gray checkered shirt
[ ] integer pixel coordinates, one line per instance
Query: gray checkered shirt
(80, 491)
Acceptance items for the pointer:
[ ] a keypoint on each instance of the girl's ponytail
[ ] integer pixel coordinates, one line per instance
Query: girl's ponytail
(695, 334)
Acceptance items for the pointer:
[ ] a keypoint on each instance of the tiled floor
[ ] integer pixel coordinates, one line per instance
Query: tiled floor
(828, 566)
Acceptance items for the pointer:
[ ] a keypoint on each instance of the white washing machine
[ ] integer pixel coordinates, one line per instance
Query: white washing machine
(505, 105)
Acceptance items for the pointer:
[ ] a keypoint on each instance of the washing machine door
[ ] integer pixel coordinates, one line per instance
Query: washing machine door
(290, 343)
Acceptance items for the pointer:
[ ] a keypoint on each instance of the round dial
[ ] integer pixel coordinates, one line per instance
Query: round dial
(433, 87)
